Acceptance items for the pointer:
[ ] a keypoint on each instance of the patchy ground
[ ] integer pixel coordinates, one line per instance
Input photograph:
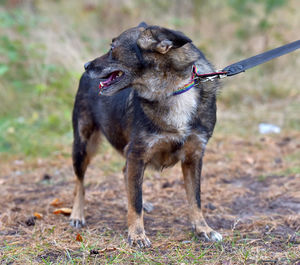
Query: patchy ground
(250, 193)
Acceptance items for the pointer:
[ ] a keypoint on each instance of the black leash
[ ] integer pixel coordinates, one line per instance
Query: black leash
(253, 61)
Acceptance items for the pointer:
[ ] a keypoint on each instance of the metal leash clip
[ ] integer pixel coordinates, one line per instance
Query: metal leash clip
(216, 75)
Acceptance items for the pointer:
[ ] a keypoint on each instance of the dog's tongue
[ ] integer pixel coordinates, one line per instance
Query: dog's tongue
(108, 81)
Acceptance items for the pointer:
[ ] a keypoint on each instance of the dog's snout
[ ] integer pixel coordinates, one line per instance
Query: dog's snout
(86, 65)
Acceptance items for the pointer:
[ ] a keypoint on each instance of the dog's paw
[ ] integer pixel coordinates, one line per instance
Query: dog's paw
(212, 236)
(76, 223)
(77, 217)
(204, 232)
(148, 207)
(139, 240)
(215, 236)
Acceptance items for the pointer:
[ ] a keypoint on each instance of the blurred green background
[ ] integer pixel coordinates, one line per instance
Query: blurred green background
(44, 44)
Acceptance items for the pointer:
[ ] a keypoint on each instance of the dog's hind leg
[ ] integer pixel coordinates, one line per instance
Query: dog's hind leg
(86, 139)
(191, 167)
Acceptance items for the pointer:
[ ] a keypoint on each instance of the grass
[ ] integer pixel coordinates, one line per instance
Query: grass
(39, 92)
(34, 136)
(244, 251)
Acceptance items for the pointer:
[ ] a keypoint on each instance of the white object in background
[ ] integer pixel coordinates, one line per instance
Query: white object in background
(265, 128)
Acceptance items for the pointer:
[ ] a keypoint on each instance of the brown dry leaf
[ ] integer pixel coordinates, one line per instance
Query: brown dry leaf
(56, 202)
(38, 215)
(66, 211)
(79, 238)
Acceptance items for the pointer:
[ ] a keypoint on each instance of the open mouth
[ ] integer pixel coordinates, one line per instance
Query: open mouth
(111, 79)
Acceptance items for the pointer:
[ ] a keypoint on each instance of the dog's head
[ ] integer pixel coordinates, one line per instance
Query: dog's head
(151, 58)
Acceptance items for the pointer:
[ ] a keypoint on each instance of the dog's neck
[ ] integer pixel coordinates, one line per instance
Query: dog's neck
(159, 85)
(172, 113)
(188, 85)
(181, 109)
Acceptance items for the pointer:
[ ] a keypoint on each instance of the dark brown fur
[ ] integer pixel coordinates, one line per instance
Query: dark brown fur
(143, 120)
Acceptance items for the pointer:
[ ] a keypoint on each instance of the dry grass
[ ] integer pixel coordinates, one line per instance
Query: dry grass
(250, 193)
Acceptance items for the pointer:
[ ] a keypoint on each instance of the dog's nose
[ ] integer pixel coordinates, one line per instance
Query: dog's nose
(86, 65)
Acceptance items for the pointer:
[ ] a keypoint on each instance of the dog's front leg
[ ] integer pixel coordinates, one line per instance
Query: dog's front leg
(191, 168)
(134, 172)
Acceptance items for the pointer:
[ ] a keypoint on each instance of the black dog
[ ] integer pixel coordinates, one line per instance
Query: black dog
(151, 110)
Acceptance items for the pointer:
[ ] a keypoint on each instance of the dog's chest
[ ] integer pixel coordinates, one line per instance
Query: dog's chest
(181, 109)
(165, 150)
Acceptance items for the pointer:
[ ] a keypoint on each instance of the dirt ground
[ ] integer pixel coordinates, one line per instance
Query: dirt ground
(250, 193)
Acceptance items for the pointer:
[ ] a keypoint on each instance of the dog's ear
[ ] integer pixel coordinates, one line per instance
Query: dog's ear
(161, 39)
(142, 25)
